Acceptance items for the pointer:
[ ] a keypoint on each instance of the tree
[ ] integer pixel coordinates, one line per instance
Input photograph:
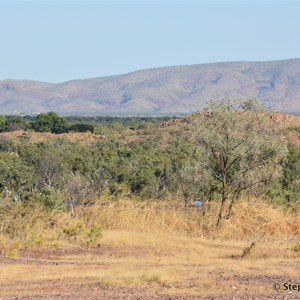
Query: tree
(78, 127)
(2, 122)
(14, 123)
(240, 145)
(192, 181)
(290, 182)
(50, 122)
(16, 177)
(77, 187)
(51, 163)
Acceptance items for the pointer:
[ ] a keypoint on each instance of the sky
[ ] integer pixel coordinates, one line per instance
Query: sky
(57, 41)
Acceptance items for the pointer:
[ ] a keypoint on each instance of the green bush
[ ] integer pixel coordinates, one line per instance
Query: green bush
(296, 248)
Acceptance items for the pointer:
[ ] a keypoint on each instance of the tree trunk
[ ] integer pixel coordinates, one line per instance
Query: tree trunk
(235, 196)
(224, 198)
(220, 215)
(230, 207)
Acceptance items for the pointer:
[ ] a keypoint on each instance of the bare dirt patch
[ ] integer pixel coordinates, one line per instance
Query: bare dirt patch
(158, 267)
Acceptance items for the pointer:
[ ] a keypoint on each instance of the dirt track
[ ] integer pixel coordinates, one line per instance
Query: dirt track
(230, 285)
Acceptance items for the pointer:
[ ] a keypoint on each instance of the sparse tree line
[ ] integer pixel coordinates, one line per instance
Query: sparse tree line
(229, 150)
(46, 122)
(53, 123)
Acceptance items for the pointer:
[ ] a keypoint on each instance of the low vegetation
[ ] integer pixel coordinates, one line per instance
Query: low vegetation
(61, 193)
(51, 122)
(30, 227)
(111, 212)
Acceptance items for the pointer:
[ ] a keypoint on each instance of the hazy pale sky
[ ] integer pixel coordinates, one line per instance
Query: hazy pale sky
(57, 41)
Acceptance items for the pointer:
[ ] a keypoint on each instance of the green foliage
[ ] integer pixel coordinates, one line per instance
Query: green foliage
(50, 122)
(16, 177)
(291, 174)
(7, 145)
(95, 233)
(13, 123)
(294, 128)
(296, 248)
(79, 229)
(80, 127)
(51, 165)
(74, 230)
(128, 122)
(189, 162)
(242, 153)
(3, 121)
(50, 198)
(286, 189)
(27, 225)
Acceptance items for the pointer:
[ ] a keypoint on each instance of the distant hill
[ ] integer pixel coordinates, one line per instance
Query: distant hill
(166, 90)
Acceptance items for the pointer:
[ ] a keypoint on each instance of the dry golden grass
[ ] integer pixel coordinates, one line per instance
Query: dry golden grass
(174, 263)
(161, 246)
(30, 227)
(252, 218)
(85, 138)
(275, 232)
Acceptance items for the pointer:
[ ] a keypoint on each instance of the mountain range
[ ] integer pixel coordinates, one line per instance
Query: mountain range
(159, 91)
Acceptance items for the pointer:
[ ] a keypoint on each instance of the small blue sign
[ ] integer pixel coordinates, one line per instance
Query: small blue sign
(198, 203)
